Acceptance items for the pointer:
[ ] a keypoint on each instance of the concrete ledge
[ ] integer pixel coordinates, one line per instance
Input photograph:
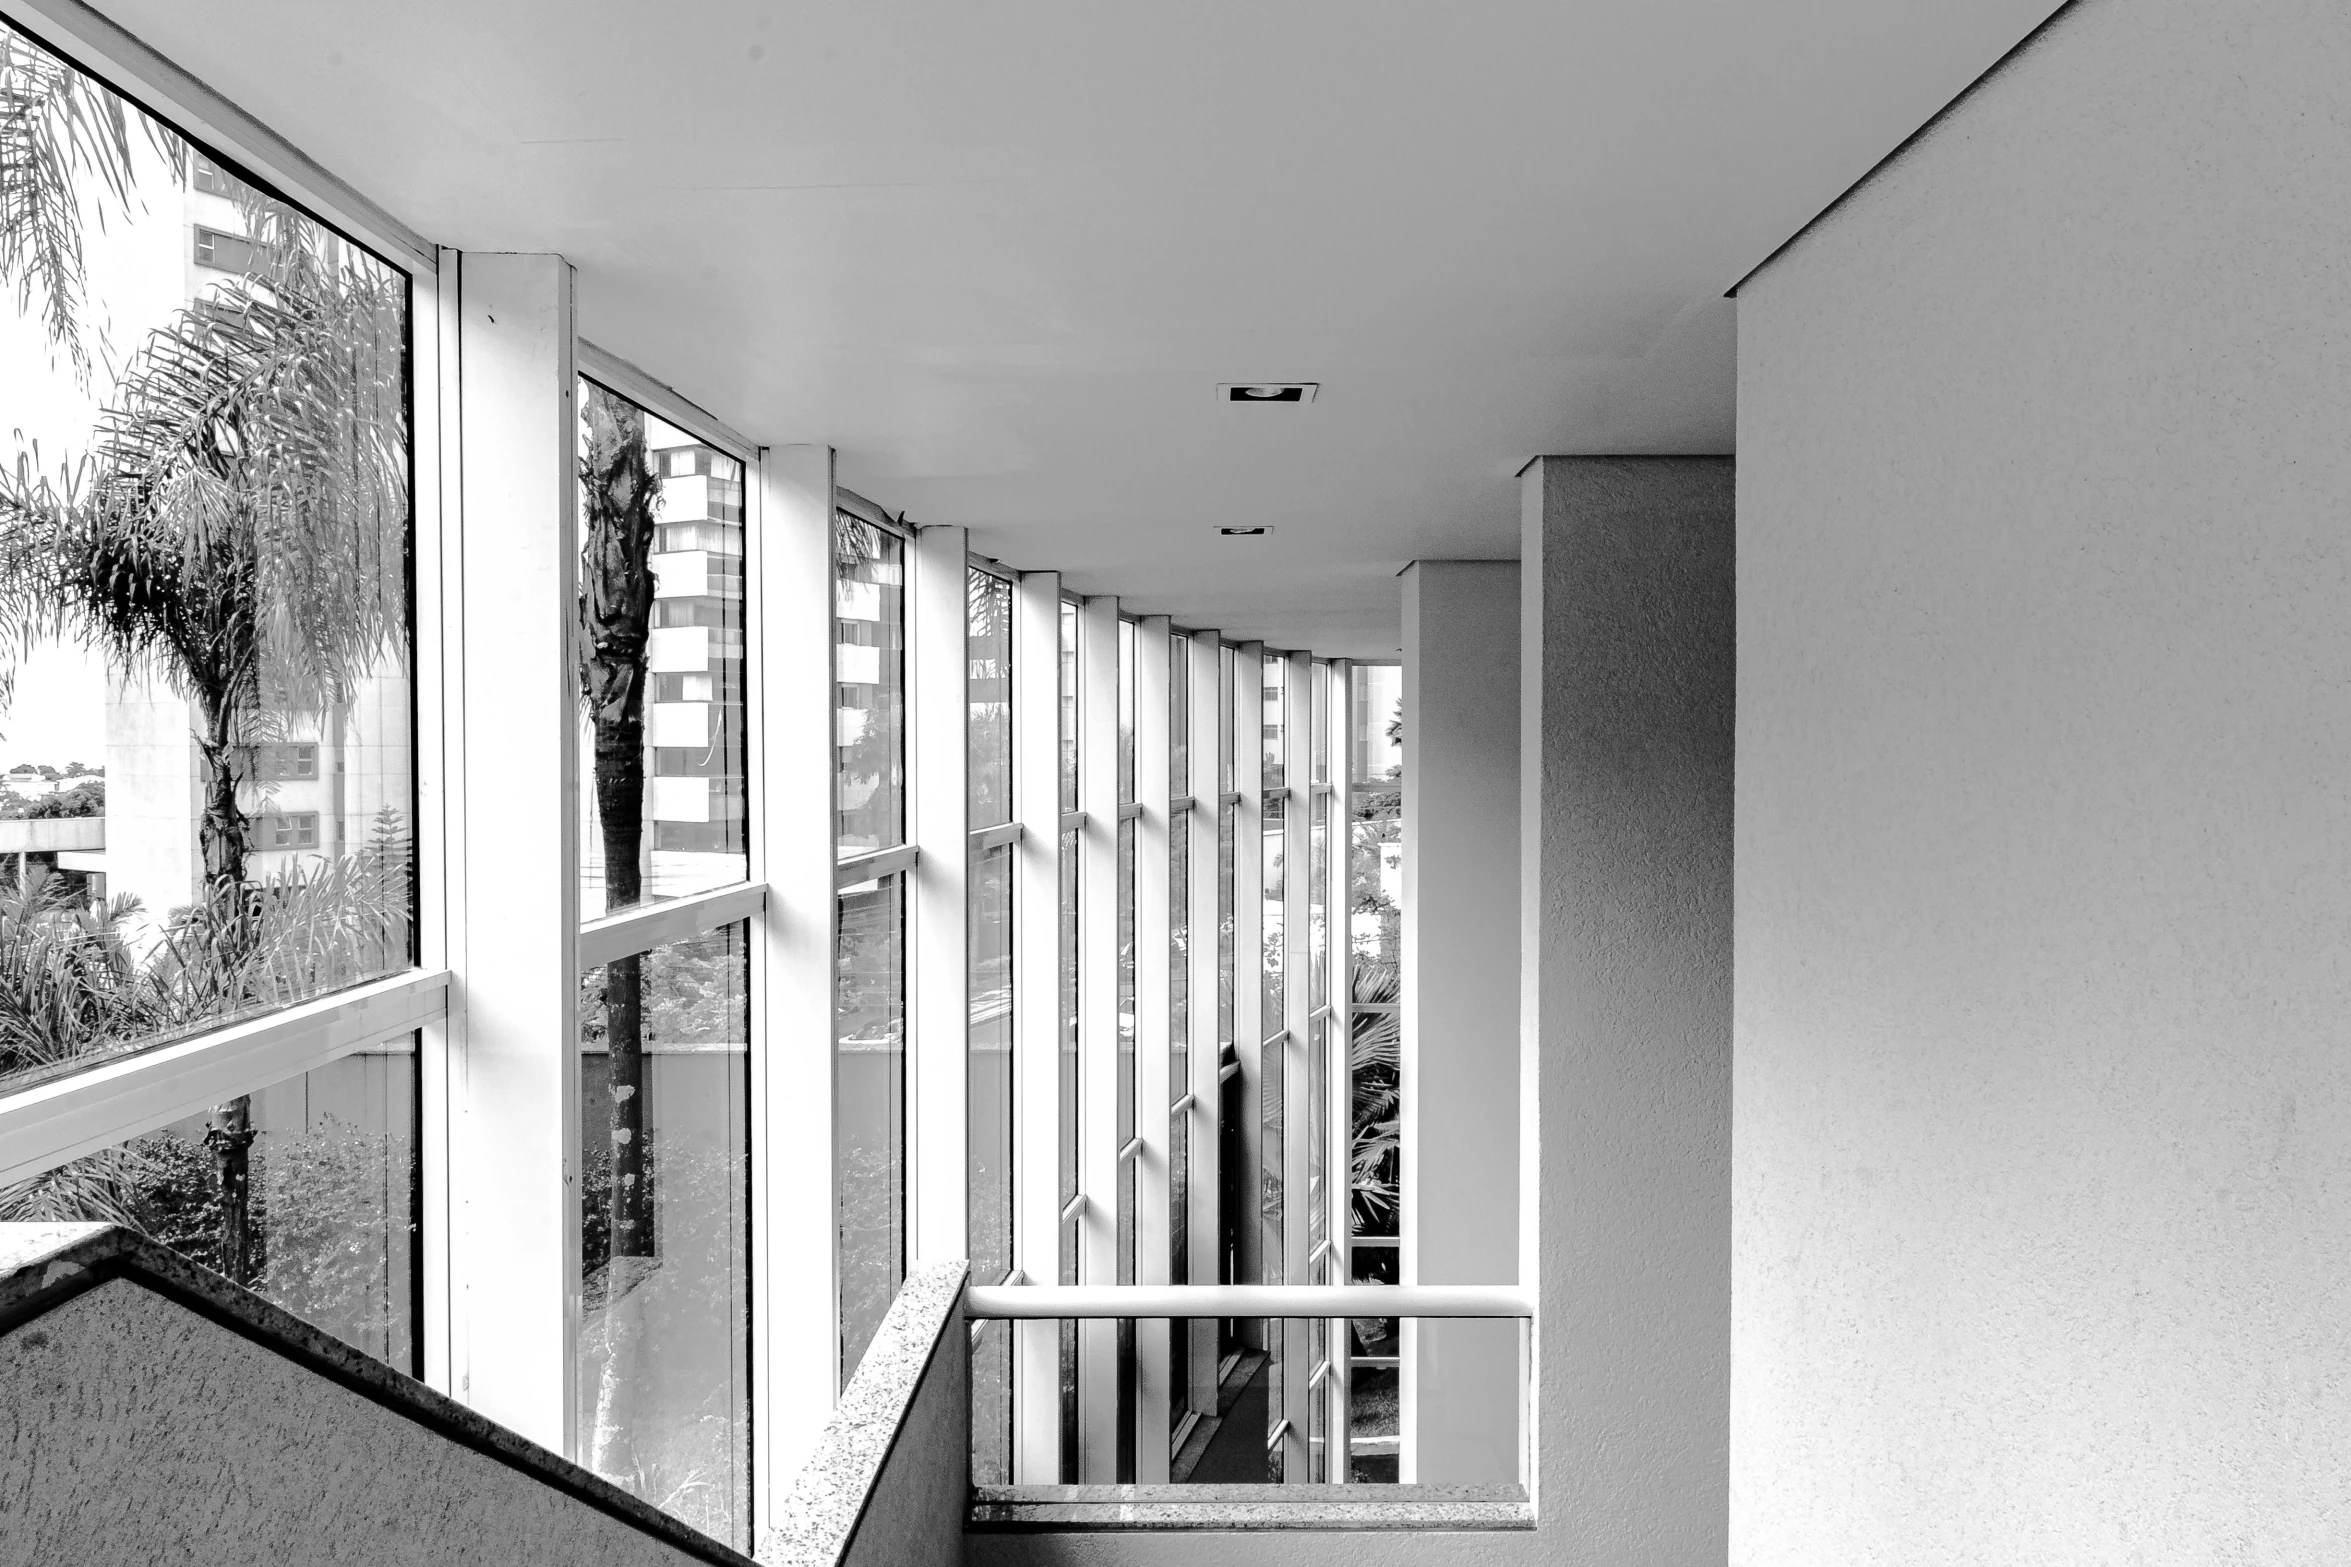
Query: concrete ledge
(892, 1468)
(52, 1278)
(1012, 1509)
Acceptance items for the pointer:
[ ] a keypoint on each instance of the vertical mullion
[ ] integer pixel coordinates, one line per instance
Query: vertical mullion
(938, 1033)
(1203, 1233)
(1036, 1000)
(1098, 692)
(1339, 840)
(795, 1323)
(514, 1137)
(440, 774)
(1153, 1221)
(1298, 1033)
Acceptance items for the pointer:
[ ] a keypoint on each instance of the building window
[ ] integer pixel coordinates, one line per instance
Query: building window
(290, 830)
(224, 252)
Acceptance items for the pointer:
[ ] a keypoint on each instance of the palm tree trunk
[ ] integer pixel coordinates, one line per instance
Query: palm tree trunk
(221, 837)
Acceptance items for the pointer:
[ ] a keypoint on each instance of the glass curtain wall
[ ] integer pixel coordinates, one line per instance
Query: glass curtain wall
(663, 1347)
(869, 990)
(1179, 1020)
(207, 778)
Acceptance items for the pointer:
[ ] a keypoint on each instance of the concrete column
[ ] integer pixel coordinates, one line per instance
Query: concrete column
(1461, 1380)
(1628, 631)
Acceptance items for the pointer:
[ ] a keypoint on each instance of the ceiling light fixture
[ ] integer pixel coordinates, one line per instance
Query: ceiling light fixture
(1244, 533)
(1267, 391)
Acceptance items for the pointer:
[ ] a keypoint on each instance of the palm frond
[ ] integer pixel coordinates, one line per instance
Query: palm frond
(65, 153)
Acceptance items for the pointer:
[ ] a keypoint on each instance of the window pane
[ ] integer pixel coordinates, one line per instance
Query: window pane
(1277, 680)
(663, 1378)
(869, 1118)
(661, 664)
(990, 1090)
(204, 454)
(305, 1192)
(869, 683)
(1276, 821)
(989, 601)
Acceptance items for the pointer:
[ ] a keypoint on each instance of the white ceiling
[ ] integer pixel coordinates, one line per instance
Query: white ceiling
(1001, 255)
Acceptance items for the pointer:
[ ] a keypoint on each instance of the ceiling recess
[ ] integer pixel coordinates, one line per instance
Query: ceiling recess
(1274, 392)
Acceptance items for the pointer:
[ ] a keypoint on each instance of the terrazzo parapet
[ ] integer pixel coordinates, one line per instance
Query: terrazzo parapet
(889, 1478)
(1014, 1509)
(152, 1411)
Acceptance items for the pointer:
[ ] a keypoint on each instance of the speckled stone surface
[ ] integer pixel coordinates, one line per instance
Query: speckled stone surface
(1008, 1508)
(889, 1479)
(151, 1411)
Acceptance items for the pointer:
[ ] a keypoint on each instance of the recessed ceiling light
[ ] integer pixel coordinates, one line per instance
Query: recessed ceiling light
(1267, 391)
(1244, 533)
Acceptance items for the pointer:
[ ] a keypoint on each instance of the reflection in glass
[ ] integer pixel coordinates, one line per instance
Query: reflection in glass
(869, 683)
(204, 494)
(989, 676)
(664, 1346)
(660, 659)
(869, 1113)
(319, 1200)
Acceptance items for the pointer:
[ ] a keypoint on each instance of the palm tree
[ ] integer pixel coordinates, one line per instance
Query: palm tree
(64, 138)
(238, 532)
(619, 510)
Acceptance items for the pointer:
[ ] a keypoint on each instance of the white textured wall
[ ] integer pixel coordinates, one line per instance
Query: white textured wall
(1461, 1380)
(2043, 1154)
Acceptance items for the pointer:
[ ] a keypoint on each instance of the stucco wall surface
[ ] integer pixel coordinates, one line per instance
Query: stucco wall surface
(1461, 1380)
(2043, 1149)
(133, 1429)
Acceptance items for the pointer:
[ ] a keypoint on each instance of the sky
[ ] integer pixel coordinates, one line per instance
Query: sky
(136, 277)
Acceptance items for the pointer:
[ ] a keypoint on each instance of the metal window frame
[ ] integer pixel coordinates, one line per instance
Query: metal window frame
(1036, 999)
(938, 1029)
(1154, 1034)
(1098, 1140)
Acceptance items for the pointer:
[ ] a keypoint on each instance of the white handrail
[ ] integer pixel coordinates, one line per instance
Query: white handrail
(1118, 1301)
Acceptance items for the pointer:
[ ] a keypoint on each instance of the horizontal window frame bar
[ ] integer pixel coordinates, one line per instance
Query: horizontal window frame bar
(1381, 1008)
(1229, 797)
(56, 1122)
(1117, 1302)
(660, 398)
(1273, 1438)
(1180, 805)
(1130, 810)
(985, 838)
(1374, 1363)
(874, 864)
(1323, 789)
(1185, 1105)
(1073, 821)
(870, 512)
(1227, 1072)
(1133, 1147)
(1075, 1208)
(1376, 1241)
(639, 930)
